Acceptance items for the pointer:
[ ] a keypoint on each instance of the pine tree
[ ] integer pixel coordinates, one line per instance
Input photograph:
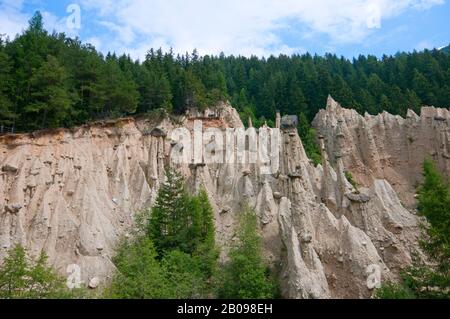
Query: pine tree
(297, 103)
(421, 86)
(342, 92)
(155, 92)
(13, 283)
(434, 204)
(425, 280)
(175, 256)
(428, 280)
(308, 137)
(385, 104)
(50, 99)
(204, 233)
(376, 88)
(170, 223)
(36, 23)
(139, 274)
(413, 102)
(184, 275)
(7, 114)
(44, 281)
(21, 277)
(120, 90)
(246, 276)
(111, 86)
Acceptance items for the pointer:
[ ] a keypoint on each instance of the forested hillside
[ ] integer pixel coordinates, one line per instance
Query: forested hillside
(49, 80)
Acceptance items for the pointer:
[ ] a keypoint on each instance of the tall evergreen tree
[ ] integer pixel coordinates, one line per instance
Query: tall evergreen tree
(50, 100)
(23, 277)
(204, 233)
(120, 90)
(13, 274)
(7, 114)
(155, 92)
(308, 137)
(169, 216)
(139, 275)
(429, 279)
(434, 205)
(246, 276)
(111, 86)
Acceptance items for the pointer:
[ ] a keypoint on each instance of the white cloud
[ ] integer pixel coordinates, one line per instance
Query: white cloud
(13, 21)
(425, 44)
(427, 4)
(96, 42)
(54, 23)
(234, 26)
(243, 27)
(126, 34)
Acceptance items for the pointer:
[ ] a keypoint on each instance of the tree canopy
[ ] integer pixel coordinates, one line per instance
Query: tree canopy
(246, 275)
(49, 80)
(22, 277)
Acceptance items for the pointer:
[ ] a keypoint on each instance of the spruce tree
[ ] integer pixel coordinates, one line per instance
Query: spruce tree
(170, 222)
(7, 114)
(428, 279)
(204, 233)
(120, 90)
(111, 86)
(434, 205)
(139, 274)
(308, 136)
(50, 99)
(36, 23)
(13, 272)
(23, 277)
(246, 276)
(175, 256)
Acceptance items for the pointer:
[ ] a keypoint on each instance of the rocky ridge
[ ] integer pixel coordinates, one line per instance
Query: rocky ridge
(386, 146)
(74, 193)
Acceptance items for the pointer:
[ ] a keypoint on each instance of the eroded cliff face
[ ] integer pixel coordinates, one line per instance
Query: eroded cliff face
(74, 193)
(387, 146)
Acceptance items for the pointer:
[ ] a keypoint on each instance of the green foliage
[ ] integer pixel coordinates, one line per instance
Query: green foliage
(139, 274)
(7, 114)
(308, 137)
(13, 274)
(184, 275)
(142, 275)
(88, 85)
(121, 96)
(246, 276)
(433, 281)
(173, 254)
(425, 280)
(434, 205)
(394, 291)
(171, 223)
(182, 222)
(49, 103)
(36, 23)
(349, 177)
(183, 262)
(22, 278)
(204, 234)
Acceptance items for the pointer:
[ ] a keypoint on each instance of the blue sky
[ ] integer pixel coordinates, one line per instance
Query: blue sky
(259, 27)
